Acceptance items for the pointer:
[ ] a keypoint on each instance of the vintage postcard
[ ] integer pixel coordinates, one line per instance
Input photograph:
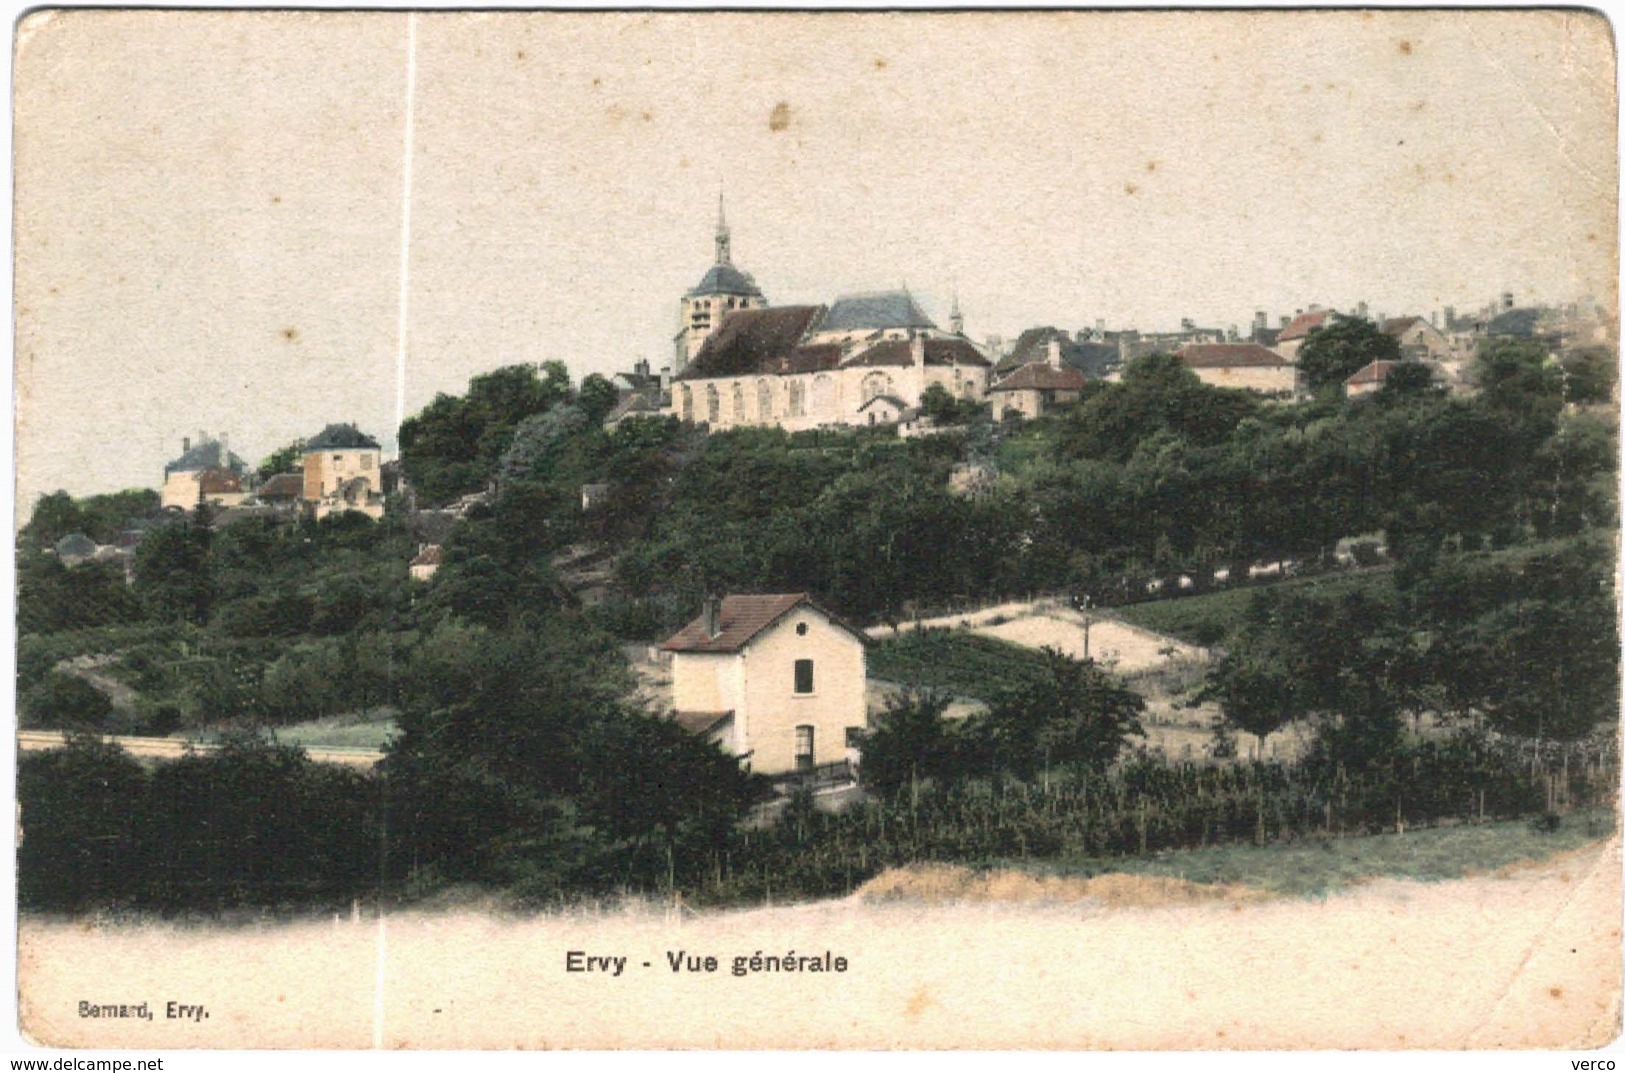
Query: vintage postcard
(790, 530)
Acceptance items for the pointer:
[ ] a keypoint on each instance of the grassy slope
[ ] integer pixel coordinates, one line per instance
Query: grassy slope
(1316, 867)
(954, 661)
(1217, 613)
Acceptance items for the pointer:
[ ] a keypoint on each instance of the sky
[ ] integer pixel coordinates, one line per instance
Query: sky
(211, 207)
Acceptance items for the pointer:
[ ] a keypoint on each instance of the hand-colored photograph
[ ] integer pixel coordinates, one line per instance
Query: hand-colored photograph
(954, 530)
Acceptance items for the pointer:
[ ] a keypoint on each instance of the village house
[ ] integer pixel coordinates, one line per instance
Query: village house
(281, 491)
(774, 679)
(639, 393)
(1370, 378)
(1036, 388)
(1298, 330)
(1418, 339)
(1094, 359)
(207, 472)
(1240, 365)
(427, 561)
(343, 471)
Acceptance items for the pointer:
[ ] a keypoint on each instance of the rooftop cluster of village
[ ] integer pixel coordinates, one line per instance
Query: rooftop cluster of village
(864, 360)
(869, 359)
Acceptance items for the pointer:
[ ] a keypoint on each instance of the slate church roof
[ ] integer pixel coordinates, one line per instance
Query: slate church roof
(879, 310)
(726, 279)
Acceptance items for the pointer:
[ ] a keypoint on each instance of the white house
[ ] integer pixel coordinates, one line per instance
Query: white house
(1240, 365)
(774, 679)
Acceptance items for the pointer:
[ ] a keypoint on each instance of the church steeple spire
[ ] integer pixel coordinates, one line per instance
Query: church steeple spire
(724, 253)
(956, 319)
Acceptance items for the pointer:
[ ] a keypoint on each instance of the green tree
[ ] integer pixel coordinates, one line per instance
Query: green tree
(173, 574)
(1256, 695)
(79, 808)
(282, 460)
(66, 702)
(1074, 715)
(1519, 379)
(596, 397)
(1409, 378)
(909, 743)
(1339, 350)
(1589, 374)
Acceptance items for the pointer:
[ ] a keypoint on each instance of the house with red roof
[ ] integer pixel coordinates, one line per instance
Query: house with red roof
(1299, 329)
(774, 679)
(1037, 387)
(1240, 365)
(1369, 378)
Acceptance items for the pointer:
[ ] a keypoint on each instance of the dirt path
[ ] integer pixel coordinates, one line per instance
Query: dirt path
(1129, 649)
(168, 748)
(1525, 959)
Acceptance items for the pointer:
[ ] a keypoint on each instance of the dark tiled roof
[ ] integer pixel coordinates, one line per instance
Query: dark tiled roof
(880, 310)
(1303, 324)
(1041, 376)
(953, 352)
(635, 402)
(701, 722)
(1400, 325)
(215, 482)
(1093, 359)
(814, 359)
(891, 352)
(283, 486)
(210, 454)
(1229, 356)
(1374, 373)
(726, 279)
(431, 555)
(900, 352)
(340, 436)
(741, 618)
(750, 341)
(1515, 322)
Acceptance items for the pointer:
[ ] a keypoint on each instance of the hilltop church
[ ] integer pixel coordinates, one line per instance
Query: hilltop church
(865, 360)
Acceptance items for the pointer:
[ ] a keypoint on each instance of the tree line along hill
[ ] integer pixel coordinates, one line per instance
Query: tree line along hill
(522, 758)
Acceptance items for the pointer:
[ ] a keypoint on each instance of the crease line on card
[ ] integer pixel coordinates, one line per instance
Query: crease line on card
(407, 142)
(1474, 1039)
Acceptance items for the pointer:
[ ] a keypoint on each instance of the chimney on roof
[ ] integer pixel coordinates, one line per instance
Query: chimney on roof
(186, 444)
(917, 348)
(1054, 352)
(1506, 300)
(641, 367)
(665, 377)
(1285, 320)
(711, 616)
(1100, 327)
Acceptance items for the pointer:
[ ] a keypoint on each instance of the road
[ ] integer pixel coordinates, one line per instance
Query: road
(163, 748)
